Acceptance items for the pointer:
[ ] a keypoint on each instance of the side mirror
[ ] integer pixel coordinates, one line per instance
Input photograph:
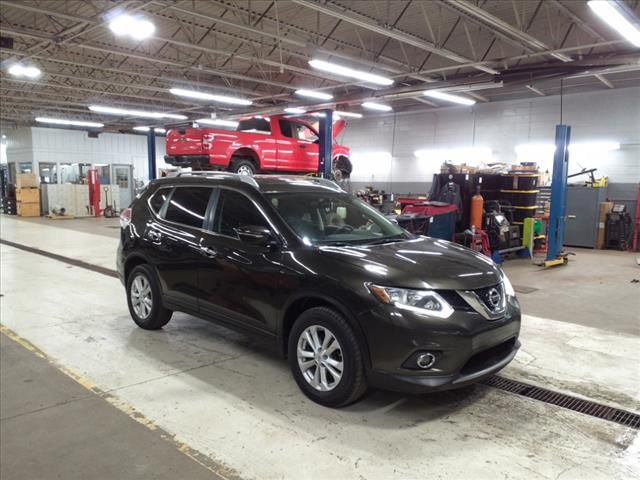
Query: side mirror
(256, 235)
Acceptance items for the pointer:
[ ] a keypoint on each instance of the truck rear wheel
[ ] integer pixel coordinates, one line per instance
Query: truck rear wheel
(242, 166)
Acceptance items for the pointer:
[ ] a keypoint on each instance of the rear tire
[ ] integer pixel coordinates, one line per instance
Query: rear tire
(144, 299)
(321, 339)
(243, 166)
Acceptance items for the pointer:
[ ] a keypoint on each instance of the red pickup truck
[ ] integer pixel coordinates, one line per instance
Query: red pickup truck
(276, 143)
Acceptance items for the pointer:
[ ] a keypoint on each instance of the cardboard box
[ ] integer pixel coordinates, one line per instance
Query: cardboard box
(605, 207)
(26, 180)
(28, 195)
(28, 209)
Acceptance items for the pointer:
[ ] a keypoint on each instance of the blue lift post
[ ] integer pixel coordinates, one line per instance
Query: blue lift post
(555, 255)
(325, 143)
(151, 153)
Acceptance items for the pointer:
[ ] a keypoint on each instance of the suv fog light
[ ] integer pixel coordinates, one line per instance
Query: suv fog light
(426, 360)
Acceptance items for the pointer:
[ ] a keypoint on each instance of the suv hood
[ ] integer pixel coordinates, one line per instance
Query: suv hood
(422, 263)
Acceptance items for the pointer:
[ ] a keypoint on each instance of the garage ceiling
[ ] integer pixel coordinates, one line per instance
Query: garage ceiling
(259, 49)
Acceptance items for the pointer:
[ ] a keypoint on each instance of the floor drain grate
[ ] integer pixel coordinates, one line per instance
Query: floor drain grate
(617, 415)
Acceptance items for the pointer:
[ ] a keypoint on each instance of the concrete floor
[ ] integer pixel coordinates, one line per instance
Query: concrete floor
(233, 400)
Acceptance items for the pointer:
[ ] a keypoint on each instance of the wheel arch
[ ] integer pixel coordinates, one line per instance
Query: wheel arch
(246, 152)
(308, 300)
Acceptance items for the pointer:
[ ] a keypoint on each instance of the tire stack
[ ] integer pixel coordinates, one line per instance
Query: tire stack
(521, 190)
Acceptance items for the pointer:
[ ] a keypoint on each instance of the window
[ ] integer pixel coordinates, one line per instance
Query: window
(302, 132)
(158, 199)
(325, 218)
(285, 128)
(188, 206)
(236, 210)
(255, 125)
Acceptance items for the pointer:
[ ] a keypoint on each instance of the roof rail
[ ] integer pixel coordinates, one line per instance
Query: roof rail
(243, 178)
(319, 180)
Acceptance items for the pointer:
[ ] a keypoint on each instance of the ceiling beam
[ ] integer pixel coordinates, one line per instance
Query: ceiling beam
(500, 28)
(605, 81)
(391, 32)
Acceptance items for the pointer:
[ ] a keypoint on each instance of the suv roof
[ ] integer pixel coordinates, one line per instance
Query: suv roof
(262, 183)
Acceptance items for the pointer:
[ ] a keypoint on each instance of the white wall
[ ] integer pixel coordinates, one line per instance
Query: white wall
(19, 145)
(59, 145)
(604, 115)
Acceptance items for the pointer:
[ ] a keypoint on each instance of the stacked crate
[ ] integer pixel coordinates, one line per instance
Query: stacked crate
(27, 195)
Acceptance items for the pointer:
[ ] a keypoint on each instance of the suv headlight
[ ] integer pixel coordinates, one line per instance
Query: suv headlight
(508, 288)
(423, 302)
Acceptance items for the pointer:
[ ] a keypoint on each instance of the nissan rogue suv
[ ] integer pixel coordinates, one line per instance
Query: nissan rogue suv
(352, 300)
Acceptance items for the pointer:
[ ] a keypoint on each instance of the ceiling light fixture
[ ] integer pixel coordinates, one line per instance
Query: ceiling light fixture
(134, 113)
(348, 114)
(209, 96)
(146, 129)
(341, 70)
(449, 97)
(18, 70)
(74, 123)
(296, 110)
(313, 94)
(137, 28)
(612, 16)
(377, 106)
(217, 122)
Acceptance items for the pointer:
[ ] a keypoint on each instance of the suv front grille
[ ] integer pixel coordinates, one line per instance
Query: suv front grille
(490, 302)
(492, 297)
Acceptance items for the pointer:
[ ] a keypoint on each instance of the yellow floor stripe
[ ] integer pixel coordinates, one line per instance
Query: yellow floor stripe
(127, 409)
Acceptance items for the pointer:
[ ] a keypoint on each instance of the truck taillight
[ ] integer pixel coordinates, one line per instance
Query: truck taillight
(125, 217)
(207, 140)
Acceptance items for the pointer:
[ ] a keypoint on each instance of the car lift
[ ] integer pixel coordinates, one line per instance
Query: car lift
(151, 153)
(555, 254)
(325, 144)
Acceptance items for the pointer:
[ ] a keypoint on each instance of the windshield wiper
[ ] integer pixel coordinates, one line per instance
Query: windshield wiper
(380, 241)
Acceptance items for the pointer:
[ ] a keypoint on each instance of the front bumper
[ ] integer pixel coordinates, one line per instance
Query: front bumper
(467, 348)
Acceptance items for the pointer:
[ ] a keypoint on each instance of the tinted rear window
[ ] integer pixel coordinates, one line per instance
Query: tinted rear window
(157, 199)
(257, 125)
(188, 206)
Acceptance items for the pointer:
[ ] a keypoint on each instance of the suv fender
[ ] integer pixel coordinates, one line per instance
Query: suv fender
(305, 300)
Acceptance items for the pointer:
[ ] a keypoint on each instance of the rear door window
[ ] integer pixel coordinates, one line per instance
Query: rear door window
(158, 199)
(236, 210)
(188, 206)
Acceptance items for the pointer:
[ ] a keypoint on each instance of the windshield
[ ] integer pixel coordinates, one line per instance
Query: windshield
(334, 218)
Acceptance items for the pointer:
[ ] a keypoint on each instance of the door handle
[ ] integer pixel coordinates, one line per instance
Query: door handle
(302, 145)
(154, 236)
(208, 251)
(571, 216)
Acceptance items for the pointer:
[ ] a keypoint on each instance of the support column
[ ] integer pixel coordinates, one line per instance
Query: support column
(151, 153)
(558, 192)
(326, 144)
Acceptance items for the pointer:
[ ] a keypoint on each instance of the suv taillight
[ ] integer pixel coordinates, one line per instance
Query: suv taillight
(125, 217)
(207, 140)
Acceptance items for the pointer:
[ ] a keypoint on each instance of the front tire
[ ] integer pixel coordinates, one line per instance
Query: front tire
(144, 299)
(325, 358)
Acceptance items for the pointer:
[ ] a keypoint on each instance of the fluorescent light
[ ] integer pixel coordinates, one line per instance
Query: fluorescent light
(469, 155)
(377, 106)
(75, 123)
(348, 114)
(608, 12)
(208, 96)
(217, 122)
(19, 70)
(313, 94)
(449, 97)
(341, 70)
(146, 129)
(296, 110)
(134, 113)
(137, 28)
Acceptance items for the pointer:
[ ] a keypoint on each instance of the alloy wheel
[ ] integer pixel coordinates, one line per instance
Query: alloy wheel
(141, 296)
(320, 358)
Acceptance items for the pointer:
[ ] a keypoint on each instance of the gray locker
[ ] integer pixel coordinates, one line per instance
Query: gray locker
(581, 223)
